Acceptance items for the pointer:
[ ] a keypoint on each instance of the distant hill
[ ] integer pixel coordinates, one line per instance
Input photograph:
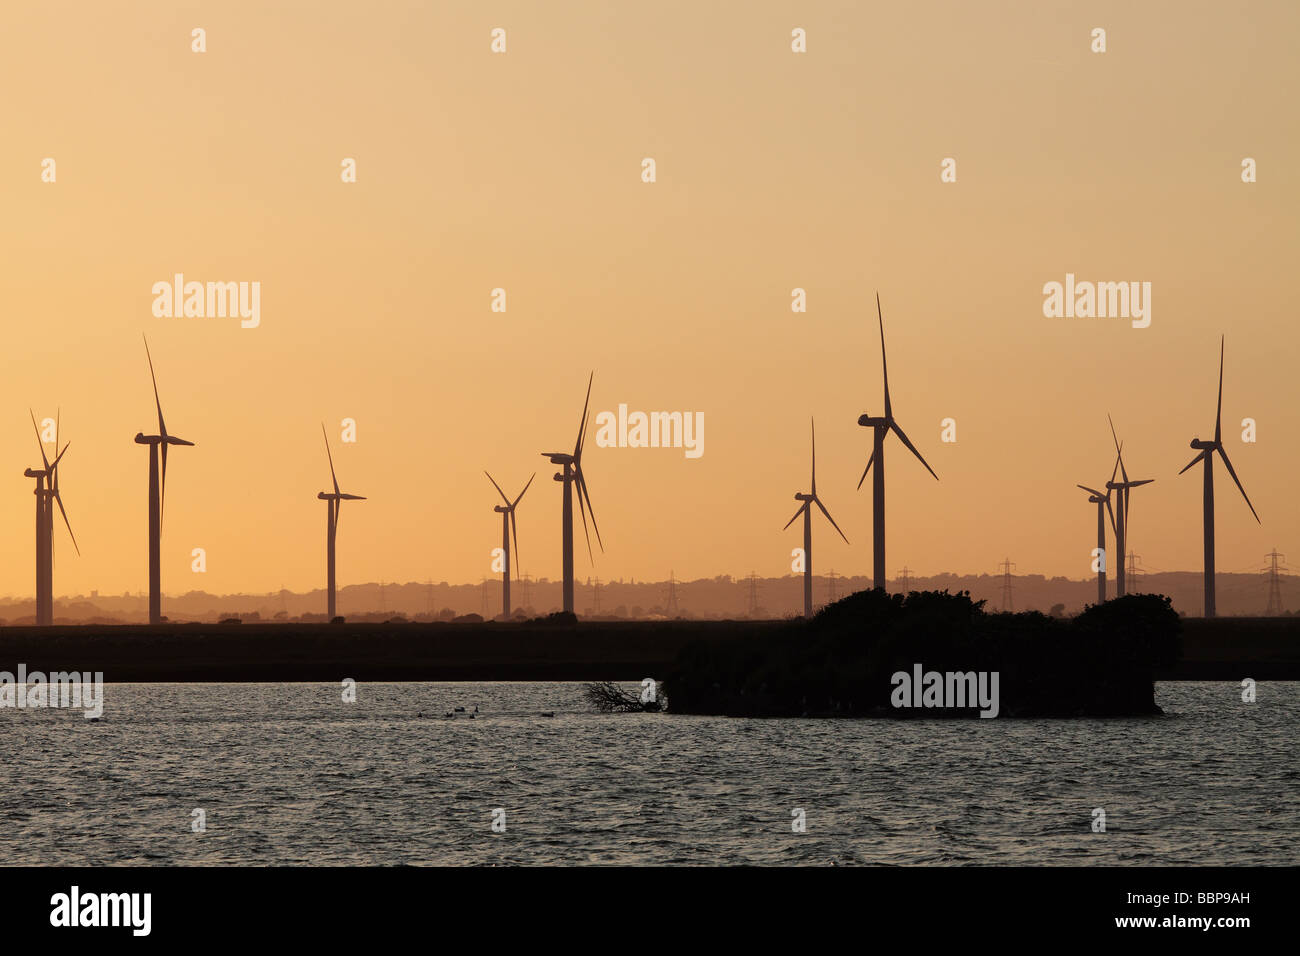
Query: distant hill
(722, 597)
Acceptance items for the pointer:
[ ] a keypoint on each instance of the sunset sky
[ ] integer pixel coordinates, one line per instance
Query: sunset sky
(522, 170)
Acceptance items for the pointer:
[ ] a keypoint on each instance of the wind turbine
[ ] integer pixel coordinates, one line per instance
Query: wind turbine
(1121, 519)
(571, 475)
(332, 507)
(507, 523)
(805, 509)
(157, 493)
(1207, 450)
(882, 426)
(1102, 501)
(47, 491)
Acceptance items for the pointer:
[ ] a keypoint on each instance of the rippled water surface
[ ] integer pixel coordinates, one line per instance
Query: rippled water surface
(289, 774)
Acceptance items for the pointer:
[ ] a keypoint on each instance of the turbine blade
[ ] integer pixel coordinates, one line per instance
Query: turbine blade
(889, 413)
(1218, 415)
(162, 427)
(867, 469)
(582, 423)
(521, 494)
(830, 519)
(59, 500)
(1092, 491)
(162, 485)
(1139, 484)
(1111, 511)
(912, 448)
(583, 512)
(497, 487)
(330, 456)
(796, 514)
(1227, 464)
(1119, 450)
(515, 529)
(814, 456)
(45, 461)
(582, 486)
(1193, 461)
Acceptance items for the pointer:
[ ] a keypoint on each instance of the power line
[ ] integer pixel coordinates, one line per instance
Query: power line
(905, 579)
(1135, 569)
(1005, 567)
(1275, 583)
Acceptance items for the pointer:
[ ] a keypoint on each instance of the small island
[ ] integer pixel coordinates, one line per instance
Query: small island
(869, 654)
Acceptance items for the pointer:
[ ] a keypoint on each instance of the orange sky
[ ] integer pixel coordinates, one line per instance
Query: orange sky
(775, 170)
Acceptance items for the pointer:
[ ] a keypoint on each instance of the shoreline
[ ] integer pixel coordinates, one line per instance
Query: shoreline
(1217, 649)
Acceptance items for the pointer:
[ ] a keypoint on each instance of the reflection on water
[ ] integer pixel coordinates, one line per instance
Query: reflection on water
(289, 774)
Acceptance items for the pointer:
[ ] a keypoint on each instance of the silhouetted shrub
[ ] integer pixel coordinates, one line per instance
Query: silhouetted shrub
(557, 618)
(842, 661)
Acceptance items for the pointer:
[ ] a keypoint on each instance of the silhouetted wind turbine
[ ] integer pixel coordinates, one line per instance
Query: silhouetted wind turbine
(1121, 518)
(507, 523)
(1207, 450)
(157, 494)
(332, 507)
(806, 510)
(1102, 501)
(573, 474)
(882, 426)
(47, 491)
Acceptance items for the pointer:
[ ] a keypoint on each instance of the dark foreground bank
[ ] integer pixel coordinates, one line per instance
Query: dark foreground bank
(1219, 649)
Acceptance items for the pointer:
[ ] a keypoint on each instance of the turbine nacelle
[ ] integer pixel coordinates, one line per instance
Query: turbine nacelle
(142, 439)
(1204, 445)
(868, 421)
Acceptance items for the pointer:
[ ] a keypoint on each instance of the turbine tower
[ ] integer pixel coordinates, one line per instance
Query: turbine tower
(1102, 501)
(47, 494)
(1207, 450)
(1121, 517)
(882, 427)
(157, 493)
(332, 506)
(572, 475)
(805, 509)
(507, 524)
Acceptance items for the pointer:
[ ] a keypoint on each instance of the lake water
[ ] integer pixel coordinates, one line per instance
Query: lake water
(289, 774)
